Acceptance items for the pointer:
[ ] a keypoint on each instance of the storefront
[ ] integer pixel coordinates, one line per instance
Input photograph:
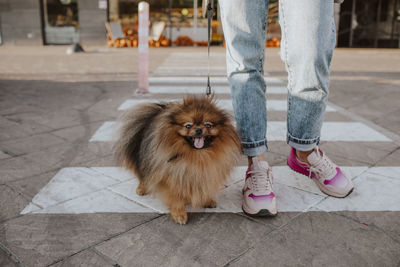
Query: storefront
(60, 21)
(184, 24)
(182, 19)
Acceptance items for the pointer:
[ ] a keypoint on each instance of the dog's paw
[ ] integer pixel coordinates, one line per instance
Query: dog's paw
(210, 204)
(179, 218)
(140, 190)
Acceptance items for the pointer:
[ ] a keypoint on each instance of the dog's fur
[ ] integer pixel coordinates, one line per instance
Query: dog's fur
(157, 144)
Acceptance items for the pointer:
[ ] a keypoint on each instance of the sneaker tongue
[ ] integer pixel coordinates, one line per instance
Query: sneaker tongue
(314, 157)
(263, 165)
(199, 142)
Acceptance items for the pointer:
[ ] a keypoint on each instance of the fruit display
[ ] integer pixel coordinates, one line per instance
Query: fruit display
(273, 42)
(183, 41)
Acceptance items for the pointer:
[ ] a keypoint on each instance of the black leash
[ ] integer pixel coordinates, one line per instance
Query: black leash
(210, 7)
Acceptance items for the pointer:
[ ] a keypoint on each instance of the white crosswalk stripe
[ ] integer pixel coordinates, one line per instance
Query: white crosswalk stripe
(112, 189)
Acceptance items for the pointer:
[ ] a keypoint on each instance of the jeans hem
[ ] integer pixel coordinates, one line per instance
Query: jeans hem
(255, 151)
(302, 144)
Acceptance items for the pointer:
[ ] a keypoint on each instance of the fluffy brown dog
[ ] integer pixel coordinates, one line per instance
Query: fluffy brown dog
(182, 151)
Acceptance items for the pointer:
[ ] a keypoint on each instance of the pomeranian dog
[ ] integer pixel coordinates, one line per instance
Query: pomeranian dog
(180, 151)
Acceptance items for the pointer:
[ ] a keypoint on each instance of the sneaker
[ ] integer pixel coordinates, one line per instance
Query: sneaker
(258, 197)
(328, 176)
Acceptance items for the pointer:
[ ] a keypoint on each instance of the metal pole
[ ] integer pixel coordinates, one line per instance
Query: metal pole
(170, 22)
(143, 68)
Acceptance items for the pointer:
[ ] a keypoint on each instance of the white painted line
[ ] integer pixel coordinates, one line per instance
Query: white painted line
(182, 89)
(276, 131)
(272, 105)
(90, 190)
(332, 131)
(201, 80)
(373, 191)
(107, 132)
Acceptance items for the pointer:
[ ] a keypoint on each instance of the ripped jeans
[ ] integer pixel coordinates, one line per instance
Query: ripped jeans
(308, 38)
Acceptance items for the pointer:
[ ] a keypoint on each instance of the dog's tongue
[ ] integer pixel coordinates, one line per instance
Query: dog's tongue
(199, 142)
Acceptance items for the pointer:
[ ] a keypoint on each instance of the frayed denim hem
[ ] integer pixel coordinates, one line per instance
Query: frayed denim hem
(255, 151)
(302, 144)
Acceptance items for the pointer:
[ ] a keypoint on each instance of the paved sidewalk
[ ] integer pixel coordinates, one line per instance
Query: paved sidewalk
(63, 202)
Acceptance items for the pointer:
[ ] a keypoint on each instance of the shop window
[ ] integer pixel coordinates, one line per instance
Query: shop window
(60, 21)
(183, 20)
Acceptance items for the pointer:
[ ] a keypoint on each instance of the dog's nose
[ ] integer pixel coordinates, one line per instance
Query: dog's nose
(199, 131)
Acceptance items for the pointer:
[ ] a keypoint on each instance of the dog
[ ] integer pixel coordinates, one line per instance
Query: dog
(182, 152)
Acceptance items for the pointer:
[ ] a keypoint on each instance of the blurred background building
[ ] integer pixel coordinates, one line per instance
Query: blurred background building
(360, 23)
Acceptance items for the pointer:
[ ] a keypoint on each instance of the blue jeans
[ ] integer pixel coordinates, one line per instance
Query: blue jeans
(307, 43)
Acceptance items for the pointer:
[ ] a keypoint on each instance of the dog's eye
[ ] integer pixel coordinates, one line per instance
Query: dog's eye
(208, 125)
(188, 125)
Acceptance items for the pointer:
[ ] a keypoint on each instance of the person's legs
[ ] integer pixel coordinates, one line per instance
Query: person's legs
(308, 40)
(244, 25)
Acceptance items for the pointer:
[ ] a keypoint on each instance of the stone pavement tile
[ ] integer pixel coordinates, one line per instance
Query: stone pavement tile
(278, 221)
(87, 258)
(334, 116)
(13, 128)
(279, 147)
(30, 186)
(101, 149)
(393, 159)
(10, 130)
(78, 133)
(62, 155)
(367, 152)
(31, 144)
(11, 203)
(61, 118)
(377, 108)
(39, 240)
(276, 116)
(4, 155)
(207, 240)
(19, 167)
(361, 92)
(109, 106)
(106, 161)
(323, 239)
(390, 121)
(5, 260)
(385, 220)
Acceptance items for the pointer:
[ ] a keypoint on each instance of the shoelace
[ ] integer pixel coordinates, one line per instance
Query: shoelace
(324, 167)
(260, 182)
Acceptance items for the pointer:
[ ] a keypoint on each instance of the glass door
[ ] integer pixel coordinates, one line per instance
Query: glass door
(60, 21)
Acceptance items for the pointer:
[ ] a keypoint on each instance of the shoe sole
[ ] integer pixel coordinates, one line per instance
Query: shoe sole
(321, 187)
(261, 213)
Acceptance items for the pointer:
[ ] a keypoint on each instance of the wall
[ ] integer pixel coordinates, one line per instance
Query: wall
(20, 22)
(91, 23)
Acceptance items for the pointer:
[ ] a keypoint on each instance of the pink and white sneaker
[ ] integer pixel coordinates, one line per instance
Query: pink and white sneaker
(327, 175)
(258, 196)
